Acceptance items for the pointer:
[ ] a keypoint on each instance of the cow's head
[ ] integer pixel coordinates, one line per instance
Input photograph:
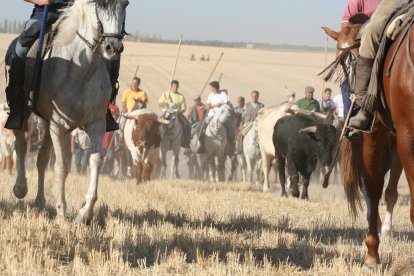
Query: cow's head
(324, 138)
(146, 132)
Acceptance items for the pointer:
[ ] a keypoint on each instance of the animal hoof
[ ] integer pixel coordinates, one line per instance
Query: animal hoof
(284, 194)
(370, 267)
(20, 191)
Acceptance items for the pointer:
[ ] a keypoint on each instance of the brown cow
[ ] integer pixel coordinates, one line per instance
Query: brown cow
(143, 140)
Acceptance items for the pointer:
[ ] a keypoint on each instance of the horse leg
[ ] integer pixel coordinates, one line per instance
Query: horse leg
(391, 194)
(57, 134)
(163, 163)
(42, 162)
(372, 152)
(221, 168)
(212, 168)
(176, 162)
(405, 147)
(20, 186)
(96, 133)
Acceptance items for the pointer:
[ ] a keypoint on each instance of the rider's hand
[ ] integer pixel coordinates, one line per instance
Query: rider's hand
(41, 2)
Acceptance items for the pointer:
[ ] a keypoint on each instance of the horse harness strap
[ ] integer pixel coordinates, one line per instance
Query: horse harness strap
(93, 46)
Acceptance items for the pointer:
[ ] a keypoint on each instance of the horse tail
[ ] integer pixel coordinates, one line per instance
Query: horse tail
(351, 151)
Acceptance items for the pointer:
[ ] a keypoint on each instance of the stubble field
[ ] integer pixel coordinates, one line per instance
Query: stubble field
(195, 228)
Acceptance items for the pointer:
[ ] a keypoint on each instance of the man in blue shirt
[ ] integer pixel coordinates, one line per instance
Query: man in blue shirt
(17, 62)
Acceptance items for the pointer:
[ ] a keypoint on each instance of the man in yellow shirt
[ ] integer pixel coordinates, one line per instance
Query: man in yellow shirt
(175, 97)
(132, 95)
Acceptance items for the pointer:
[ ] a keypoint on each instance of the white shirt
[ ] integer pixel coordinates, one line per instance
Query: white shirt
(216, 98)
(339, 105)
(82, 138)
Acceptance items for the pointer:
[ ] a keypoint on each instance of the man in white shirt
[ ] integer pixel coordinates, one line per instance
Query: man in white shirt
(216, 98)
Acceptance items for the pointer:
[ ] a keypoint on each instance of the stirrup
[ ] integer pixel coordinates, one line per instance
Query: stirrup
(353, 130)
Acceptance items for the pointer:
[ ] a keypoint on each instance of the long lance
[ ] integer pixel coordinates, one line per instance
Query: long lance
(175, 67)
(211, 74)
(326, 59)
(204, 87)
(221, 76)
(136, 71)
(325, 183)
(34, 91)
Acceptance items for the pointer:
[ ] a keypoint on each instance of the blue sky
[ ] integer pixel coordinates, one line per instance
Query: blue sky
(274, 21)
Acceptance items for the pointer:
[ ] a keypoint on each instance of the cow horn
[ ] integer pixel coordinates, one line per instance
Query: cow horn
(163, 121)
(126, 116)
(308, 130)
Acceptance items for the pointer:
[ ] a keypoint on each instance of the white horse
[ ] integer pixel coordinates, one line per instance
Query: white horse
(251, 151)
(171, 134)
(74, 92)
(215, 143)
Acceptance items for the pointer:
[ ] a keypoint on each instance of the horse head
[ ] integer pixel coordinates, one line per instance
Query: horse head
(170, 112)
(348, 43)
(111, 15)
(222, 115)
(348, 38)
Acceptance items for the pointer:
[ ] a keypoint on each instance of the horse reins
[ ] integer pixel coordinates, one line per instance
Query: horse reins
(102, 35)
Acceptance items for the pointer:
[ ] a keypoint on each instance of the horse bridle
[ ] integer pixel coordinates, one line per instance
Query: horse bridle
(93, 46)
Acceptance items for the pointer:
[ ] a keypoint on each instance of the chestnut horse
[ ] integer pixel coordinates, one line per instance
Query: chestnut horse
(374, 153)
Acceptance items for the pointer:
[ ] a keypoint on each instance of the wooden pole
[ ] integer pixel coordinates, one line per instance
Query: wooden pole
(136, 71)
(221, 76)
(175, 67)
(176, 58)
(324, 66)
(211, 74)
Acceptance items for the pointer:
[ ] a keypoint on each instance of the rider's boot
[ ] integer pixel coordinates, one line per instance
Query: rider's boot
(111, 124)
(363, 118)
(15, 94)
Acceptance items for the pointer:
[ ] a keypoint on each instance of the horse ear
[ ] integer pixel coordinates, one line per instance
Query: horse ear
(331, 33)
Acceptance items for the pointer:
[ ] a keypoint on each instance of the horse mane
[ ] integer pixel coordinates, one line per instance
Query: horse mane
(71, 19)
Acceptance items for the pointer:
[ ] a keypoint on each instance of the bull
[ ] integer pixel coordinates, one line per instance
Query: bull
(143, 139)
(301, 141)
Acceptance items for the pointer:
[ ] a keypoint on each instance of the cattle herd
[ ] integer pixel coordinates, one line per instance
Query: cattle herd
(281, 137)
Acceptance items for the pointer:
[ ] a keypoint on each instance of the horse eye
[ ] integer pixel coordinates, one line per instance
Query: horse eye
(126, 4)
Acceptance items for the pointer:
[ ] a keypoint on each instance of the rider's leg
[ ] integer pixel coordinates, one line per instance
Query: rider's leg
(185, 124)
(368, 51)
(14, 91)
(113, 69)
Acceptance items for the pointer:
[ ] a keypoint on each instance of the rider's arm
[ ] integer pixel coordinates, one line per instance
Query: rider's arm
(40, 2)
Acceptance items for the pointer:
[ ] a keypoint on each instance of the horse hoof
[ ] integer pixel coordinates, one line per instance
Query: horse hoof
(20, 191)
(266, 190)
(284, 194)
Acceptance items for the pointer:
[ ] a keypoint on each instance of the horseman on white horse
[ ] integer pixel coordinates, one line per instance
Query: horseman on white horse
(77, 82)
(216, 135)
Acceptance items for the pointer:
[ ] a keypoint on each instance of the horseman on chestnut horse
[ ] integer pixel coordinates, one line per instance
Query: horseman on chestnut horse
(384, 106)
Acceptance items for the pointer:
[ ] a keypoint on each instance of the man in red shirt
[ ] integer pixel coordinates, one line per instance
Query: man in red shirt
(367, 52)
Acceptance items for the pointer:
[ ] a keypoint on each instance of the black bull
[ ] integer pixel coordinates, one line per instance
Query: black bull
(302, 141)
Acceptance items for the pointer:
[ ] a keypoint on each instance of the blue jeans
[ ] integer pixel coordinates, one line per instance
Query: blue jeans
(346, 98)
